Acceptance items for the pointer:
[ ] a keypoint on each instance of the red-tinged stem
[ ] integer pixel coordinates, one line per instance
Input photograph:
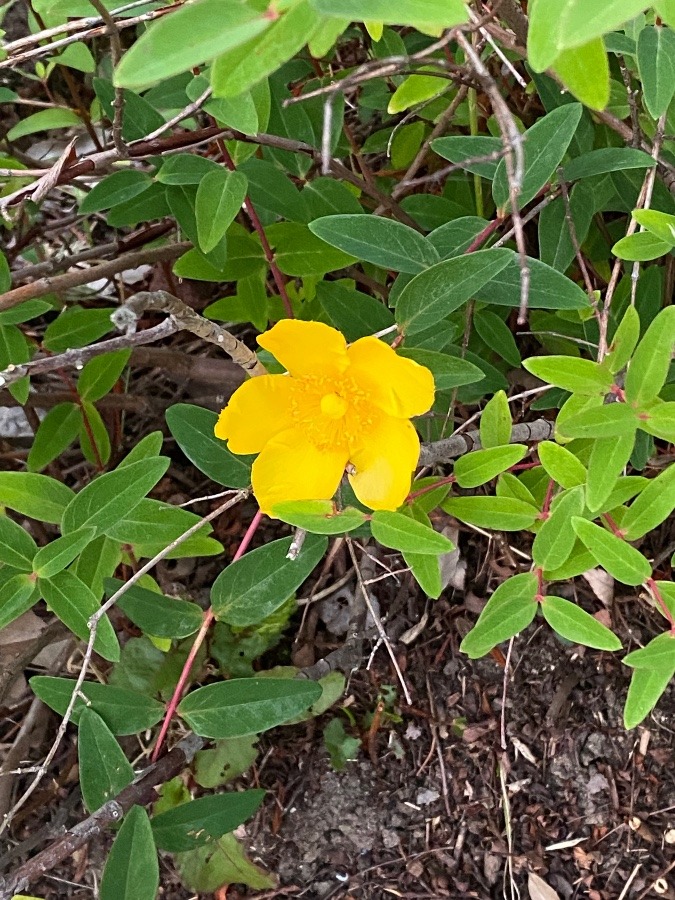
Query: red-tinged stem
(260, 231)
(541, 596)
(546, 508)
(656, 593)
(450, 479)
(199, 640)
(616, 531)
(480, 239)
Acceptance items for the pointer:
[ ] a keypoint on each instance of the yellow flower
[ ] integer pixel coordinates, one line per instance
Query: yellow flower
(339, 407)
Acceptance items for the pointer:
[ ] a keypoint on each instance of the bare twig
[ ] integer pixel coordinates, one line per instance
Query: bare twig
(115, 57)
(85, 276)
(459, 444)
(141, 792)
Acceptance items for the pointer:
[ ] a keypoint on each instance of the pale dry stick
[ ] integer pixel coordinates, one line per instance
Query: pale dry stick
(378, 622)
(508, 869)
(450, 448)
(77, 358)
(514, 160)
(92, 624)
(126, 317)
(569, 219)
(439, 174)
(80, 277)
(505, 683)
(631, 879)
(505, 60)
(189, 110)
(650, 179)
(98, 31)
(66, 28)
(115, 57)
(644, 197)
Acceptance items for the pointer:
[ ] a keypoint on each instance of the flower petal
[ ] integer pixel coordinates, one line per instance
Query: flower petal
(384, 461)
(291, 468)
(258, 410)
(399, 386)
(306, 348)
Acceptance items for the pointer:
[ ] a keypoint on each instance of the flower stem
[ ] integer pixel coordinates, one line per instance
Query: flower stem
(199, 640)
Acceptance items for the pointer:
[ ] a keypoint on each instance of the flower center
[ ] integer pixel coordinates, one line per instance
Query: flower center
(333, 406)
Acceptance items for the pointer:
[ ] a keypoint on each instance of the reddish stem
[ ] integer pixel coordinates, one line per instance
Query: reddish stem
(450, 479)
(260, 231)
(480, 239)
(616, 531)
(656, 593)
(199, 640)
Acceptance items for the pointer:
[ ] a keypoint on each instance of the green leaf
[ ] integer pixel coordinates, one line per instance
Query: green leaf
(661, 224)
(501, 513)
(115, 189)
(319, 516)
(455, 237)
(353, 313)
(146, 448)
(607, 159)
(139, 118)
(580, 376)
(94, 439)
(186, 168)
(156, 614)
(561, 465)
(101, 374)
(77, 327)
(5, 284)
(620, 560)
(585, 73)
(109, 497)
(482, 466)
(17, 547)
(659, 654)
(56, 432)
(578, 626)
(416, 89)
(243, 66)
(37, 496)
(45, 120)
(495, 425)
(132, 870)
(55, 556)
(656, 65)
(508, 611)
(608, 458)
(646, 687)
(545, 144)
(400, 532)
(497, 335)
(226, 761)
(653, 506)
(162, 50)
(457, 148)
(22, 312)
(382, 242)
(300, 253)
(549, 289)
(641, 247)
(556, 25)
(208, 868)
(152, 522)
(17, 595)
(448, 371)
(219, 198)
(252, 588)
(124, 712)
(555, 540)
(74, 603)
(103, 768)
(660, 421)
(648, 368)
(624, 341)
(246, 705)
(610, 420)
(203, 820)
(192, 427)
(443, 288)
(425, 14)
